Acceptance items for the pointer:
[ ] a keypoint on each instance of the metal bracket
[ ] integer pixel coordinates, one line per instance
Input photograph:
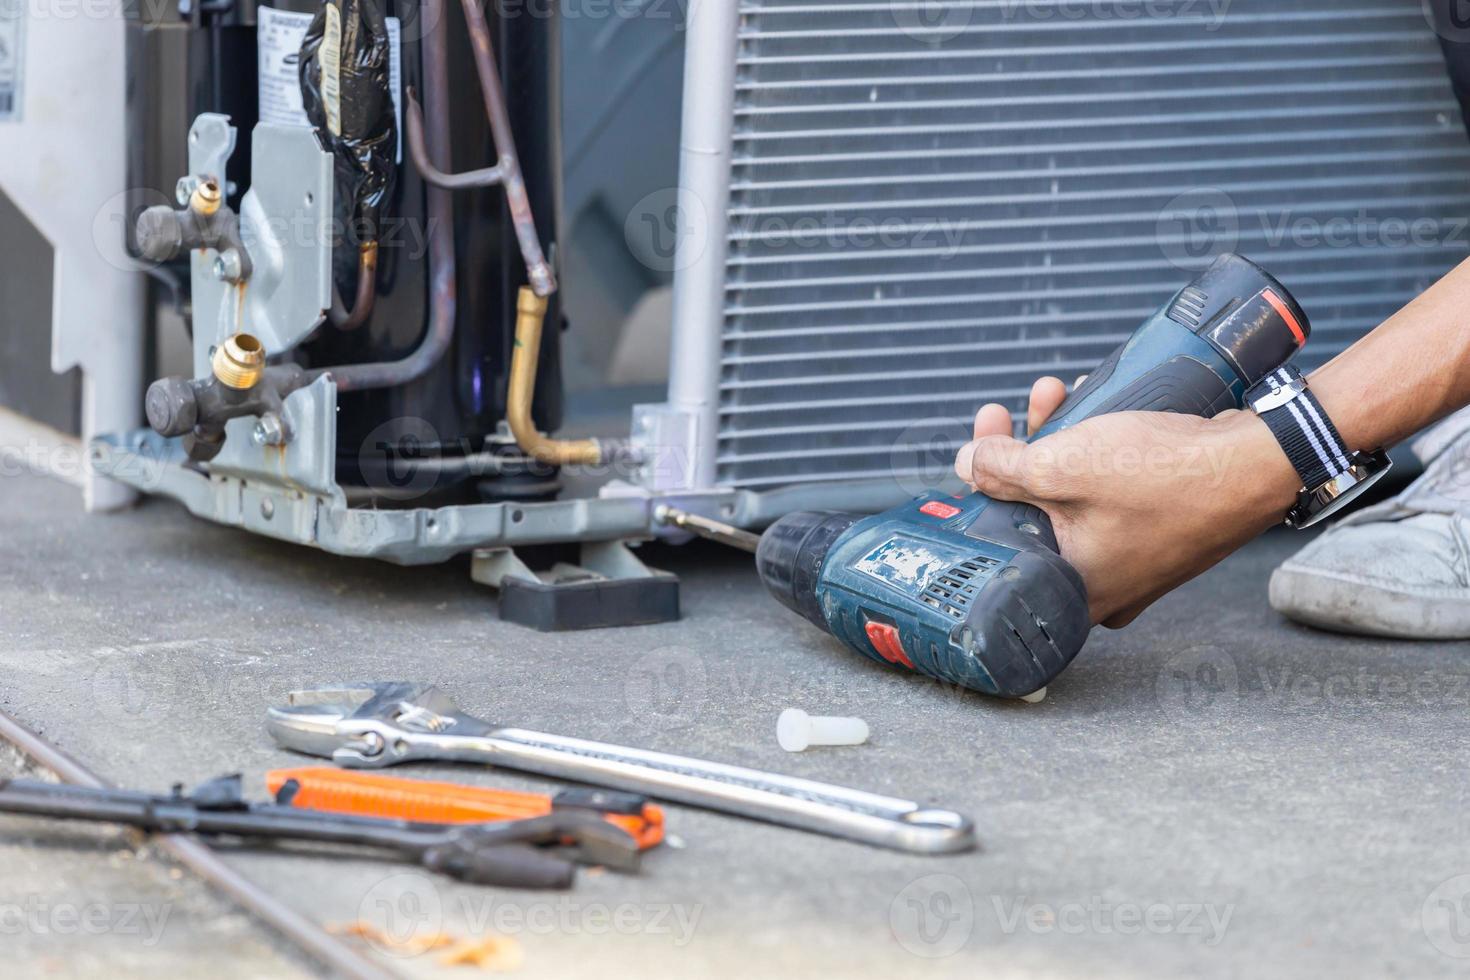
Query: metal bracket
(285, 221)
(211, 144)
(307, 462)
(665, 439)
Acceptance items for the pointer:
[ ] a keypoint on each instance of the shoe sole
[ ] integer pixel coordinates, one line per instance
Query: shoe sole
(1345, 606)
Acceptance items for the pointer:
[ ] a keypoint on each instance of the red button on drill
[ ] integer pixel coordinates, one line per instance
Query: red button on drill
(885, 640)
(939, 509)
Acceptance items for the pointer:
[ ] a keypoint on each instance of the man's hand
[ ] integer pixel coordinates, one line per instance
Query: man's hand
(1141, 502)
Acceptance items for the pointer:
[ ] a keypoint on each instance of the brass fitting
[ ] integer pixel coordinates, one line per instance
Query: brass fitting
(206, 199)
(239, 362)
(530, 317)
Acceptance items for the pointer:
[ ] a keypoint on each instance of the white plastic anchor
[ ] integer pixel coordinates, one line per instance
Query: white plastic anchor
(796, 730)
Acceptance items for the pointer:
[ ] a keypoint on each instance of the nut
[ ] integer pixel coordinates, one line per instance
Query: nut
(269, 431)
(228, 267)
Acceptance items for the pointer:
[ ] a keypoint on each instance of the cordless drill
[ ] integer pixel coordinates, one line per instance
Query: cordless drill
(971, 590)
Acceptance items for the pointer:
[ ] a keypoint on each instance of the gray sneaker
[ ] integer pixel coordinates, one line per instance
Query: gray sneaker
(1400, 568)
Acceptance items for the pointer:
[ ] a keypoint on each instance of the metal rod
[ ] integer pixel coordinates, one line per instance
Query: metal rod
(538, 271)
(708, 529)
(322, 947)
(443, 302)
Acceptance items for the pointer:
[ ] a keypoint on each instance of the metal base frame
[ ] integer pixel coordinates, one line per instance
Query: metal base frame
(308, 508)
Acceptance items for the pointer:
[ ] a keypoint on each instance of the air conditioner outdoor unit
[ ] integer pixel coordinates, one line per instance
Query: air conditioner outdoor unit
(895, 211)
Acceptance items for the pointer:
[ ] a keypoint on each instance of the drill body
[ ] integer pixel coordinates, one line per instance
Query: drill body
(973, 591)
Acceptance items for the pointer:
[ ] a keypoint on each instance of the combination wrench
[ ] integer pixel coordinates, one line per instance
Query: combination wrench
(374, 725)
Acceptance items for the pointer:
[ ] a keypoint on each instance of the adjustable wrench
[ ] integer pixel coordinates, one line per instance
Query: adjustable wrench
(372, 725)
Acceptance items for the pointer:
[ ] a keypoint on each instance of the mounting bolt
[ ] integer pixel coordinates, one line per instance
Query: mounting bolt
(227, 266)
(184, 189)
(269, 431)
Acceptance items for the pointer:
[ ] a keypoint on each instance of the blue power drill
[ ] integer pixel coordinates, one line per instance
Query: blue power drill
(971, 590)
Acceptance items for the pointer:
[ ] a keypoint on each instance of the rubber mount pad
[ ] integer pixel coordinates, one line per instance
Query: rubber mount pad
(590, 605)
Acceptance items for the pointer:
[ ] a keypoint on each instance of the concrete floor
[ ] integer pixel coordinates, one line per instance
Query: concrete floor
(1211, 792)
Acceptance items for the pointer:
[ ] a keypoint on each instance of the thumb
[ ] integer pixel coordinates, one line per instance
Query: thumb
(996, 466)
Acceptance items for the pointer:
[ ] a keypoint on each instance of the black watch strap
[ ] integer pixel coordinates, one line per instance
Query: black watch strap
(1310, 440)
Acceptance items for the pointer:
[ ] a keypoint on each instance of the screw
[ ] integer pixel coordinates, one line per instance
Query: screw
(227, 267)
(795, 730)
(185, 188)
(269, 432)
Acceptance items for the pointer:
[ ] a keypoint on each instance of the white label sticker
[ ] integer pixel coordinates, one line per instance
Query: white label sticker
(280, 33)
(330, 55)
(12, 47)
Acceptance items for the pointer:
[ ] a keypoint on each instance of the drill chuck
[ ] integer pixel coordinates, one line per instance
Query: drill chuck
(792, 553)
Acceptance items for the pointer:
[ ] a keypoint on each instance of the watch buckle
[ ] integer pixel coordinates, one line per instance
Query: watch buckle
(1314, 506)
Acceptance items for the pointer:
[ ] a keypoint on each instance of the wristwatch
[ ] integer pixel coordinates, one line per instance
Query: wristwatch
(1332, 475)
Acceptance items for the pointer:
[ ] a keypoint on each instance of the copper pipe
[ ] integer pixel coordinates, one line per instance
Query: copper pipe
(543, 280)
(367, 291)
(530, 317)
(414, 125)
(440, 214)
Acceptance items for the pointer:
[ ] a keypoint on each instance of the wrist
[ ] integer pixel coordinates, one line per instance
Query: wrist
(1262, 479)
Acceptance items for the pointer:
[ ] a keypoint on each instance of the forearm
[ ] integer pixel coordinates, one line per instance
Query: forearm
(1412, 370)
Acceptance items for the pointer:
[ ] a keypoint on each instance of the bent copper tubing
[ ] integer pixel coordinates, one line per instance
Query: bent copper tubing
(414, 124)
(367, 291)
(440, 215)
(530, 316)
(543, 280)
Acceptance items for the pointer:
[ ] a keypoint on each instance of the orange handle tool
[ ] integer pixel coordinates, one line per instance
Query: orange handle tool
(425, 801)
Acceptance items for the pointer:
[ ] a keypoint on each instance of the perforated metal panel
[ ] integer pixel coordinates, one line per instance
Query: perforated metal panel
(936, 202)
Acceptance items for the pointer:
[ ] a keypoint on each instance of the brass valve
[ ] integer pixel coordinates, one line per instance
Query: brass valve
(206, 198)
(239, 362)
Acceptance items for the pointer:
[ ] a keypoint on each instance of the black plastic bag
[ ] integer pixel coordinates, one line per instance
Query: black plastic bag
(346, 62)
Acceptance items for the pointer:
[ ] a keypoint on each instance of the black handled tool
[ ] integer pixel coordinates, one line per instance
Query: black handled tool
(504, 853)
